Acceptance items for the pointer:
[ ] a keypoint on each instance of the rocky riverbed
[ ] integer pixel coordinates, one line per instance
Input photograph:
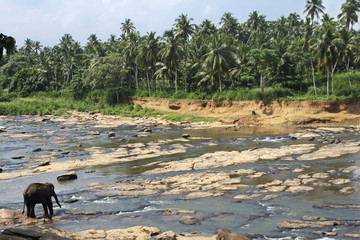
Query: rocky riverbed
(189, 179)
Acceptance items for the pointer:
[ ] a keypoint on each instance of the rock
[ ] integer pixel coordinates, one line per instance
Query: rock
(270, 197)
(146, 130)
(44, 163)
(189, 220)
(67, 176)
(299, 189)
(168, 212)
(93, 133)
(170, 235)
(11, 217)
(185, 135)
(1, 170)
(71, 201)
(87, 213)
(297, 224)
(37, 150)
(18, 157)
(138, 232)
(29, 233)
(323, 233)
(347, 190)
(111, 134)
(340, 181)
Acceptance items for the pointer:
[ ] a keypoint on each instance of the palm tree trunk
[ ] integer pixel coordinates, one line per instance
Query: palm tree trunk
(262, 86)
(332, 77)
(136, 77)
(327, 82)
(313, 76)
(220, 83)
(348, 73)
(176, 80)
(148, 82)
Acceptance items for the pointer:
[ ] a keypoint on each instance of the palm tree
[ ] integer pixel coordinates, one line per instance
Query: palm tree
(348, 15)
(324, 49)
(313, 8)
(131, 52)
(127, 26)
(37, 47)
(217, 61)
(148, 55)
(170, 55)
(257, 24)
(345, 42)
(8, 43)
(28, 45)
(229, 24)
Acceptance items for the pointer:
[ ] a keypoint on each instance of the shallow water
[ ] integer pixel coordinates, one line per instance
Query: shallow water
(60, 143)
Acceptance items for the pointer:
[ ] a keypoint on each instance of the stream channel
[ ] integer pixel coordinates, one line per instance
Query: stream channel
(44, 140)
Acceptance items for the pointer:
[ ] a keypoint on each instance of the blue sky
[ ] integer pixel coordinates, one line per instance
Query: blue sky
(48, 20)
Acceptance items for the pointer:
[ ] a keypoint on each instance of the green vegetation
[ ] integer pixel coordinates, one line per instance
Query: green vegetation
(287, 59)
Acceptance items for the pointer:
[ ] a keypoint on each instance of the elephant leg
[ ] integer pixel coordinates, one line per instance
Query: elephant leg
(45, 209)
(50, 205)
(32, 211)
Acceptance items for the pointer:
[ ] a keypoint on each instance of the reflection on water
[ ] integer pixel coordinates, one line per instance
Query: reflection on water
(23, 135)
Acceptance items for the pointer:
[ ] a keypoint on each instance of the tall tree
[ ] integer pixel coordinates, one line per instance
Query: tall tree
(217, 61)
(7, 43)
(313, 8)
(348, 16)
(127, 26)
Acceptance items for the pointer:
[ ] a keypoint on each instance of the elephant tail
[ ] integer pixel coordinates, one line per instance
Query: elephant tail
(23, 206)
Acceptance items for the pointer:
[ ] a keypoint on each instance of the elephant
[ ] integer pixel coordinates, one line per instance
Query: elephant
(224, 234)
(39, 193)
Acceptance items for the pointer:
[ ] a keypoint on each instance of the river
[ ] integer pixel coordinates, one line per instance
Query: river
(31, 141)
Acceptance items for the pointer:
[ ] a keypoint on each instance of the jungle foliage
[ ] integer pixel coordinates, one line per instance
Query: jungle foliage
(317, 57)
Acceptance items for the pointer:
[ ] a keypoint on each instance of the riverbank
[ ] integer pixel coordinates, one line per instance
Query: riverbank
(257, 113)
(246, 170)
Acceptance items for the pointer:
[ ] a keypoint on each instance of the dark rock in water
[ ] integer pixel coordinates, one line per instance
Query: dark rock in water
(185, 135)
(17, 157)
(189, 220)
(71, 201)
(147, 130)
(111, 134)
(67, 176)
(87, 213)
(17, 233)
(44, 163)
(1, 170)
(65, 153)
(37, 150)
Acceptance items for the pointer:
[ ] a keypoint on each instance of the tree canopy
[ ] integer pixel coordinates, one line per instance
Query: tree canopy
(290, 55)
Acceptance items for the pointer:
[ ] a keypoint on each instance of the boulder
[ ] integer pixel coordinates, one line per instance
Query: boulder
(190, 220)
(185, 135)
(67, 176)
(170, 235)
(29, 233)
(111, 134)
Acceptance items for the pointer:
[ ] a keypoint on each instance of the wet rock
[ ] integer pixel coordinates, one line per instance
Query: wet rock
(313, 218)
(168, 212)
(190, 220)
(29, 233)
(344, 206)
(197, 195)
(323, 233)
(321, 175)
(1, 170)
(93, 133)
(170, 235)
(247, 197)
(270, 197)
(185, 135)
(297, 224)
(71, 201)
(87, 213)
(111, 134)
(347, 190)
(226, 234)
(135, 233)
(146, 130)
(44, 163)
(18, 157)
(352, 235)
(340, 181)
(299, 189)
(37, 150)
(67, 176)
(11, 217)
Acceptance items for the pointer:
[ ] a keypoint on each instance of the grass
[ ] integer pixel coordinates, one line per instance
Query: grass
(41, 105)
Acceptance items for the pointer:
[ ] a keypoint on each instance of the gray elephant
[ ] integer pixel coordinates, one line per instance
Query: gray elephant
(39, 193)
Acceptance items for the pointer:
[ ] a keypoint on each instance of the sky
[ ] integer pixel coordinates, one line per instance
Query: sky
(48, 20)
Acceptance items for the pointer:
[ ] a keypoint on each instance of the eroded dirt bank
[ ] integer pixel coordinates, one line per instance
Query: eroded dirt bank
(262, 113)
